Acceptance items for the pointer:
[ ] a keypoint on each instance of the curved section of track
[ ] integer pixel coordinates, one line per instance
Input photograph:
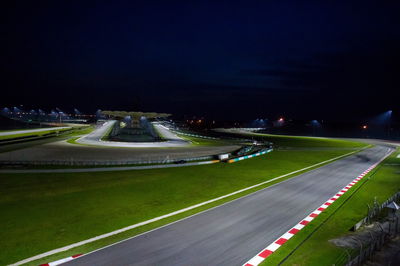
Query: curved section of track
(95, 138)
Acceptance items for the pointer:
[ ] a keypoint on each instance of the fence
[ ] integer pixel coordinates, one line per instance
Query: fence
(387, 230)
(375, 210)
(72, 162)
(373, 238)
(261, 152)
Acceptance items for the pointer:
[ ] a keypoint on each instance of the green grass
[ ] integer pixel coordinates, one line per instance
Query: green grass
(299, 141)
(65, 208)
(338, 219)
(74, 131)
(78, 133)
(81, 131)
(33, 134)
(17, 144)
(196, 141)
(12, 130)
(203, 141)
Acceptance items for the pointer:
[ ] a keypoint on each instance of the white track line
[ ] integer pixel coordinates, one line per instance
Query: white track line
(61, 261)
(90, 240)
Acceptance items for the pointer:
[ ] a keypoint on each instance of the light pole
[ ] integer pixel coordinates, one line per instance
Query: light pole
(389, 122)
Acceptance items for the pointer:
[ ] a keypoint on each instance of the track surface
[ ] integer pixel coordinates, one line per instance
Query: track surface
(234, 232)
(94, 138)
(17, 132)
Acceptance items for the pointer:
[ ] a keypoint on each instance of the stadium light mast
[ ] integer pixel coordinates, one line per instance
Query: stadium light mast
(389, 113)
(315, 125)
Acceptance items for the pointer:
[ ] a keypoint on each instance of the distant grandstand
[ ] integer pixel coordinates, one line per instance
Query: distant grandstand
(134, 126)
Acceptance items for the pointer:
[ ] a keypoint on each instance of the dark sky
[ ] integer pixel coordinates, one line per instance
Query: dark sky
(222, 59)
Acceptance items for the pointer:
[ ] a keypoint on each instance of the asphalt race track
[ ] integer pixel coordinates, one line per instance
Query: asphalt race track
(94, 138)
(233, 233)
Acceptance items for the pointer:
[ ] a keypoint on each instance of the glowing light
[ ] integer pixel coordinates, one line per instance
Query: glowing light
(281, 119)
(364, 126)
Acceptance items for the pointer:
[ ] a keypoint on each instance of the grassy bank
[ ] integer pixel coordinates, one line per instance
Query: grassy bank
(298, 141)
(66, 208)
(311, 246)
(32, 134)
(18, 129)
(81, 131)
(33, 141)
(203, 141)
(73, 131)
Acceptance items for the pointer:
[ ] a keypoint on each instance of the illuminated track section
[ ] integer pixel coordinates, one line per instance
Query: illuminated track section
(28, 131)
(95, 138)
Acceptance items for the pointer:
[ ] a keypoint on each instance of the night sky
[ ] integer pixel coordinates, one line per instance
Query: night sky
(219, 59)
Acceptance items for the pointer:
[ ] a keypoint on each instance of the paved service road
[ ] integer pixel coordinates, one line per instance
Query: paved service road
(94, 138)
(16, 132)
(233, 233)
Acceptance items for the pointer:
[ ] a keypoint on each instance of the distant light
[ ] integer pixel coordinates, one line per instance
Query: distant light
(364, 126)
(315, 123)
(281, 119)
